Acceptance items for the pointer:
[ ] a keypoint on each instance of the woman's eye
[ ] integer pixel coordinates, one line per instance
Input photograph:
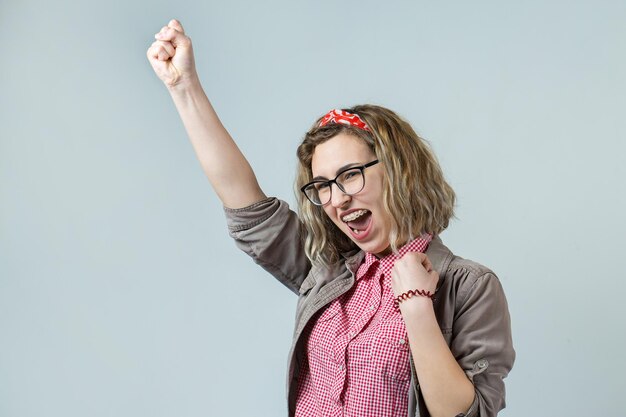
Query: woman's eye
(349, 175)
(321, 186)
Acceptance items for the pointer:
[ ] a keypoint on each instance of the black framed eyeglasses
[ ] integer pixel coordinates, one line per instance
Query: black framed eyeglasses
(350, 181)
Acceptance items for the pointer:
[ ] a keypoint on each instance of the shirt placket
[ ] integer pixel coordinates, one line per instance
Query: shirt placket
(358, 357)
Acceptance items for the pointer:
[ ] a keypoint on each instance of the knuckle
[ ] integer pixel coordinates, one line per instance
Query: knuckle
(163, 44)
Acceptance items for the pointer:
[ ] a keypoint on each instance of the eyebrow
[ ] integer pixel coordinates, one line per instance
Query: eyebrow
(343, 168)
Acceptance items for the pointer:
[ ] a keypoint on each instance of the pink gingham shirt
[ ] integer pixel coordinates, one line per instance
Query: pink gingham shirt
(357, 354)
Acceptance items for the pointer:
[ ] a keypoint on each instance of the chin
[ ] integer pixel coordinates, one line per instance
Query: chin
(382, 252)
(375, 249)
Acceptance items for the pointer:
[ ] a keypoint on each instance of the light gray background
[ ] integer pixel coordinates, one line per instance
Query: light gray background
(120, 292)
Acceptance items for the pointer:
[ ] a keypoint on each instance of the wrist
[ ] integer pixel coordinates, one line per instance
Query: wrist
(185, 85)
(413, 293)
(416, 304)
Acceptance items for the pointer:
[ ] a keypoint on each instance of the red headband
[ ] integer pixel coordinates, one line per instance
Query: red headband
(340, 116)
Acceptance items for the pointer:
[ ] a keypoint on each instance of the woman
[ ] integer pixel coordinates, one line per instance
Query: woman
(389, 322)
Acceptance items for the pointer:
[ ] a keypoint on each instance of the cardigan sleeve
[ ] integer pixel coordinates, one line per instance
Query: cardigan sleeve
(482, 341)
(269, 232)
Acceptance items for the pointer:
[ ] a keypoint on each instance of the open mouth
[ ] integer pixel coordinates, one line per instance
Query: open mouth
(358, 221)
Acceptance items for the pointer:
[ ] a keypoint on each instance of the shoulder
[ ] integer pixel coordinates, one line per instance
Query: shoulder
(460, 278)
(468, 273)
(466, 277)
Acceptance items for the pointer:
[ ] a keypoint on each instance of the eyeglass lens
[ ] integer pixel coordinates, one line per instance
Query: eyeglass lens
(350, 182)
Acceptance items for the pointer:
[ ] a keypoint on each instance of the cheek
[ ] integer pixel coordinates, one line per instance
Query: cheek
(332, 215)
(328, 211)
(374, 187)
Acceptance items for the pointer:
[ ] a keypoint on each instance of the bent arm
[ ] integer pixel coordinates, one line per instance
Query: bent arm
(480, 355)
(445, 387)
(464, 377)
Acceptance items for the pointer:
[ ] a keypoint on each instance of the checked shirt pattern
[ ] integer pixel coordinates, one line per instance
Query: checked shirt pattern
(357, 357)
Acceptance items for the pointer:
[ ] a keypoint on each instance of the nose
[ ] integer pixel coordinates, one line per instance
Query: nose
(337, 197)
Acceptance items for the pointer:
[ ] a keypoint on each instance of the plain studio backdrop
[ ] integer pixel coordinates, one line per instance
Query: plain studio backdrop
(121, 293)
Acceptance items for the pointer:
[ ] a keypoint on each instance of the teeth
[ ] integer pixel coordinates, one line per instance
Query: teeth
(354, 215)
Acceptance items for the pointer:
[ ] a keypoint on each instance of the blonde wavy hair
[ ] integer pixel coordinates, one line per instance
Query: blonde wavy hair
(415, 192)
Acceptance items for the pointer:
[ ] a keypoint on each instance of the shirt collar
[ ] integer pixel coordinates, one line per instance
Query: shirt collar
(419, 244)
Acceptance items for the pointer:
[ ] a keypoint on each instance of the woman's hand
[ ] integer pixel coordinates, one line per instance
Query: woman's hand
(171, 55)
(413, 271)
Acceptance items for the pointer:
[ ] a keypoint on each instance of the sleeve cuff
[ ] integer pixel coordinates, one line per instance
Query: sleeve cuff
(245, 218)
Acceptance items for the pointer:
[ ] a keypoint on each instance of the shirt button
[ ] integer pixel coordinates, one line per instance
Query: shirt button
(481, 363)
(402, 341)
(372, 308)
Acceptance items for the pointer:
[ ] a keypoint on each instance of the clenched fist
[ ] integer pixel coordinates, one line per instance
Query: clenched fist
(171, 55)
(413, 271)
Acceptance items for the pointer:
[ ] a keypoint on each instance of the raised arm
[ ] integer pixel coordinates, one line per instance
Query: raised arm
(228, 171)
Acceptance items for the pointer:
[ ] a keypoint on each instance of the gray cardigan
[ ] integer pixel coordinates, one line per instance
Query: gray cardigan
(469, 302)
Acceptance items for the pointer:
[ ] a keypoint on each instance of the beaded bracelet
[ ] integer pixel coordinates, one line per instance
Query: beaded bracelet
(411, 293)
